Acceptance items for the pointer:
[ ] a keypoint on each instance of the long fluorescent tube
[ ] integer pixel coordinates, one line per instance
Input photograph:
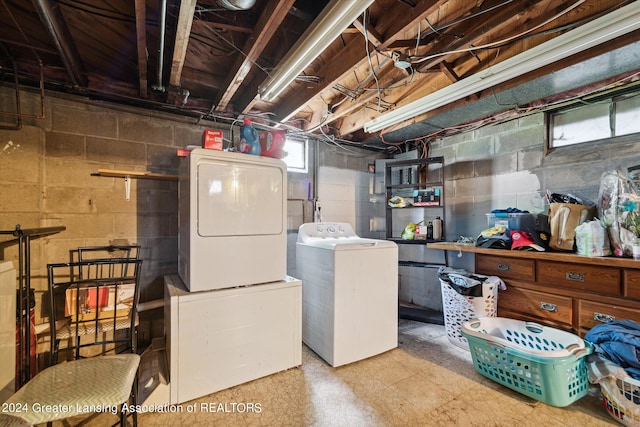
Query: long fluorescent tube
(331, 22)
(598, 31)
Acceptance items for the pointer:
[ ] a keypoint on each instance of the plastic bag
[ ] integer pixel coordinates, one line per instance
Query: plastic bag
(409, 232)
(563, 220)
(567, 198)
(398, 202)
(619, 209)
(592, 239)
(469, 284)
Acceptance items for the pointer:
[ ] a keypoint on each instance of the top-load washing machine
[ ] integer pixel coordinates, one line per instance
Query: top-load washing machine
(349, 292)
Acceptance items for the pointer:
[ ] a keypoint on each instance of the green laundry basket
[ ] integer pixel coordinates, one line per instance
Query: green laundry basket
(540, 362)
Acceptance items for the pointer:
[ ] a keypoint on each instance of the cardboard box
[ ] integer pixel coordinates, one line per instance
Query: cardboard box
(427, 197)
(153, 373)
(212, 139)
(421, 232)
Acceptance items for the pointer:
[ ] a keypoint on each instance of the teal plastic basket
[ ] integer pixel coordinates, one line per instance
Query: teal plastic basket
(542, 363)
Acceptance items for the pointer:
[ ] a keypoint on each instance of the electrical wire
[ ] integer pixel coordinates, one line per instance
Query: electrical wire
(503, 41)
(418, 37)
(119, 16)
(307, 79)
(206, 42)
(466, 18)
(366, 44)
(411, 76)
(565, 27)
(218, 33)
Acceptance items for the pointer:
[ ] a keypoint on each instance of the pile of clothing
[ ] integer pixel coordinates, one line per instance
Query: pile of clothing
(616, 349)
(531, 237)
(618, 341)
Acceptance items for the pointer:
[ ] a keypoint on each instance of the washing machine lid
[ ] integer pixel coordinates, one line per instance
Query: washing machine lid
(337, 236)
(355, 244)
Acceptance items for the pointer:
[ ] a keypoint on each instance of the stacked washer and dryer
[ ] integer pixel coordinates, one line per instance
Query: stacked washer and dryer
(232, 314)
(349, 292)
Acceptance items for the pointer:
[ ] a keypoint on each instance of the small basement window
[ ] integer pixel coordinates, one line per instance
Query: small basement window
(602, 119)
(296, 155)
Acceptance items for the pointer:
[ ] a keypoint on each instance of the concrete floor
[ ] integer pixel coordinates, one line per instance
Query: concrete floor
(426, 381)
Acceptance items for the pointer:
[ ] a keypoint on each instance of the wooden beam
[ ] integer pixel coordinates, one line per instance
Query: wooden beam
(448, 71)
(372, 35)
(183, 30)
(141, 39)
(202, 78)
(274, 13)
(477, 31)
(399, 19)
(113, 173)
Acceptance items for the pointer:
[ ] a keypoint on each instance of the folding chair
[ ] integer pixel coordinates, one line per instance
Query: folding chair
(94, 303)
(78, 387)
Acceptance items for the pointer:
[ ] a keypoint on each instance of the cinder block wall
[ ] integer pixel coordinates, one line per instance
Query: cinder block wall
(344, 193)
(47, 178)
(505, 166)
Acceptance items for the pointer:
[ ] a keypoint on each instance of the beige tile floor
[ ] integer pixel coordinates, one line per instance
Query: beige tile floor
(426, 381)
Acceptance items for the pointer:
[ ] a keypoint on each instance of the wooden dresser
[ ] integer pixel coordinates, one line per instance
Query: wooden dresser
(562, 290)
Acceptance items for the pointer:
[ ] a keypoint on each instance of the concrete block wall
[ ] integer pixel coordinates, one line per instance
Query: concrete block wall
(345, 196)
(47, 167)
(48, 178)
(506, 166)
(344, 193)
(346, 190)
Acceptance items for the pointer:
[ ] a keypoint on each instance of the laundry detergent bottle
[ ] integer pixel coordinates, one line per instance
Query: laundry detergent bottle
(249, 142)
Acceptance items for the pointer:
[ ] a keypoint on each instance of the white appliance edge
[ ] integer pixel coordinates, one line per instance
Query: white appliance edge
(219, 339)
(232, 220)
(349, 292)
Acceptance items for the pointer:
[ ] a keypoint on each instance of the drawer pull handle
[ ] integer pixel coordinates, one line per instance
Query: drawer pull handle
(575, 277)
(548, 307)
(604, 318)
(503, 267)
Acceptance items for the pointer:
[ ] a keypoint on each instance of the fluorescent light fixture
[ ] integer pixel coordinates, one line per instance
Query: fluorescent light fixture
(598, 31)
(331, 22)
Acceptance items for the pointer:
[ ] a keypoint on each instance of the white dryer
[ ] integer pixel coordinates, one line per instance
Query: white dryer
(349, 292)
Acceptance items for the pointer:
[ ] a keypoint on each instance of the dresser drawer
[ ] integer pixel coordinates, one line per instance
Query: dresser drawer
(582, 277)
(632, 284)
(510, 268)
(538, 304)
(592, 313)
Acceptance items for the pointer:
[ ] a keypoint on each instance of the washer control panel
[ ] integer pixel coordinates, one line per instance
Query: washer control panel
(325, 230)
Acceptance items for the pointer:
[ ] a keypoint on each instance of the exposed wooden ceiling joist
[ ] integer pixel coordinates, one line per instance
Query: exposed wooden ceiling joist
(220, 57)
(354, 56)
(272, 16)
(183, 29)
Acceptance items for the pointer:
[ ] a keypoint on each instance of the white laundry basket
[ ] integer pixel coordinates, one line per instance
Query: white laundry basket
(458, 309)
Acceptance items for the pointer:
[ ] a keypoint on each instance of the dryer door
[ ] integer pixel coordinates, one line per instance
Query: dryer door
(240, 198)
